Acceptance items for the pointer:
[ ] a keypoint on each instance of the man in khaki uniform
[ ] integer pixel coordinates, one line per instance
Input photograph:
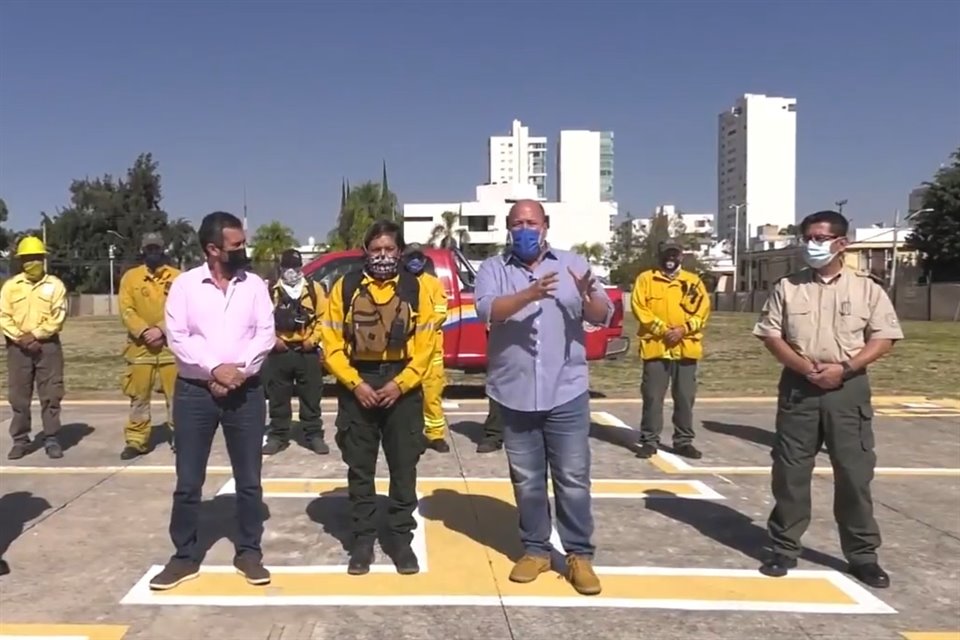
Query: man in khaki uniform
(825, 325)
(150, 364)
(33, 308)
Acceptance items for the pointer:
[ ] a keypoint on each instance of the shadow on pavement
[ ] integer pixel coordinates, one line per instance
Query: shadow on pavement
(623, 438)
(160, 434)
(729, 527)
(331, 510)
(745, 432)
(69, 436)
(16, 510)
(218, 520)
(486, 520)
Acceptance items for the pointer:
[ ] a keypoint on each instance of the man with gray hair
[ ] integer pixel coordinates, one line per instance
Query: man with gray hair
(536, 299)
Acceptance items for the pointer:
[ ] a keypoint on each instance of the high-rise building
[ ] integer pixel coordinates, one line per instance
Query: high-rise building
(757, 165)
(519, 158)
(915, 201)
(585, 166)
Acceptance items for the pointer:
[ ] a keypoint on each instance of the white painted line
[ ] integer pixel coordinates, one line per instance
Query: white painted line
(607, 419)
(43, 637)
(133, 468)
(864, 601)
(449, 404)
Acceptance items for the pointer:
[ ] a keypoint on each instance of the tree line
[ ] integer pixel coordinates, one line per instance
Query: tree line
(116, 211)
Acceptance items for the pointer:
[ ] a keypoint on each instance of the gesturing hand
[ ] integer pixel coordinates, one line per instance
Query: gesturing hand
(543, 287)
(584, 283)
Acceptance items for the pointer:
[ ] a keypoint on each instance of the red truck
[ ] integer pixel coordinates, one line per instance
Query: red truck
(464, 336)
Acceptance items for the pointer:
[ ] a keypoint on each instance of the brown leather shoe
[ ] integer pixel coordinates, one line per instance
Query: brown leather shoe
(529, 567)
(581, 575)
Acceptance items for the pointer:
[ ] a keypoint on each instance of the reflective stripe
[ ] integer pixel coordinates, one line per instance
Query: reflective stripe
(440, 308)
(331, 324)
(434, 422)
(427, 326)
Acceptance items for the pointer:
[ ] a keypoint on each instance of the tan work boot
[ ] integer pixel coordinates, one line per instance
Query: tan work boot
(581, 575)
(529, 567)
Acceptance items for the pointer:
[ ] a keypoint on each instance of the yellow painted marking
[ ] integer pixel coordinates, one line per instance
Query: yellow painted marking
(931, 635)
(496, 488)
(471, 545)
(85, 631)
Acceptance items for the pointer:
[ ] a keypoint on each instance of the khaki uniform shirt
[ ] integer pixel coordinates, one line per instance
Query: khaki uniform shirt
(39, 308)
(828, 322)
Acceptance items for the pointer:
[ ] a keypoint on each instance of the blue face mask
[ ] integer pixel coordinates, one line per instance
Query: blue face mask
(525, 244)
(416, 265)
(818, 254)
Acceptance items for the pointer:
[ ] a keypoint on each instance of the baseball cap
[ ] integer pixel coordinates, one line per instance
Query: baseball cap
(291, 259)
(670, 245)
(152, 239)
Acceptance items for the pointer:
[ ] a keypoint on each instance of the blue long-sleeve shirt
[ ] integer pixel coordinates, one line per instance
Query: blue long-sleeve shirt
(537, 358)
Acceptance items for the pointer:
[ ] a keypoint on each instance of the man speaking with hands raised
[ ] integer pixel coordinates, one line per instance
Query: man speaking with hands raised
(535, 299)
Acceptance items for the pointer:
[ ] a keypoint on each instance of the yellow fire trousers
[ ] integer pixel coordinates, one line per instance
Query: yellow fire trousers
(435, 425)
(139, 383)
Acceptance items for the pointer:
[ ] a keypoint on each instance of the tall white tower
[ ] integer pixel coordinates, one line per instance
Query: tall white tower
(519, 158)
(757, 165)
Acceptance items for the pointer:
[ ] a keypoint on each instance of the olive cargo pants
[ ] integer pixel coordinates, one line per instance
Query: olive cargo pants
(44, 370)
(681, 377)
(808, 417)
(289, 373)
(359, 434)
(139, 383)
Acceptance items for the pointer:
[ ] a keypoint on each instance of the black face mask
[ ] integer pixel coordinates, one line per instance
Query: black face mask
(235, 260)
(153, 260)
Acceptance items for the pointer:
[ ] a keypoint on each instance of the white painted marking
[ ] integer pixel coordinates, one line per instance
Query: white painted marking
(42, 637)
(864, 601)
(607, 419)
(450, 404)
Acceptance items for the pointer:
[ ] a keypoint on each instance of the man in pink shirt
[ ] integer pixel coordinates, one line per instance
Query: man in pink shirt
(219, 325)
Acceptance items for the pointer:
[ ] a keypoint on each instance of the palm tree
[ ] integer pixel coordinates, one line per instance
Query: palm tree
(594, 253)
(271, 240)
(449, 232)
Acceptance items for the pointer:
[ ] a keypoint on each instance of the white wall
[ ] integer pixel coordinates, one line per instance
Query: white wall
(756, 164)
(578, 166)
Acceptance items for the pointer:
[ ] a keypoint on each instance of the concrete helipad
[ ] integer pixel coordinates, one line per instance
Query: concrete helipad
(678, 541)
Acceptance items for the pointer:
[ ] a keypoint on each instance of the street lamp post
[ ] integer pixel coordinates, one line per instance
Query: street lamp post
(896, 229)
(112, 253)
(736, 242)
(840, 204)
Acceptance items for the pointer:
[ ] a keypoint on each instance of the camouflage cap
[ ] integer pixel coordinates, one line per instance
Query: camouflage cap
(152, 239)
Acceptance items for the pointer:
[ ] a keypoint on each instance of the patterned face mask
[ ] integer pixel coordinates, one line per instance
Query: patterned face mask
(381, 266)
(291, 277)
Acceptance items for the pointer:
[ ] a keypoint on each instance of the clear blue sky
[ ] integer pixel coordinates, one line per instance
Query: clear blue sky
(288, 97)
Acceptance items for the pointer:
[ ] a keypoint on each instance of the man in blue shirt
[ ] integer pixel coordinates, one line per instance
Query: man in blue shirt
(536, 299)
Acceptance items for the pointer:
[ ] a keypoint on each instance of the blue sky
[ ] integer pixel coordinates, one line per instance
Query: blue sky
(288, 97)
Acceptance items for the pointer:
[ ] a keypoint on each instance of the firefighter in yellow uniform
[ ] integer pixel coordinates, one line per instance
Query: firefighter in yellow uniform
(672, 307)
(150, 364)
(379, 337)
(435, 424)
(33, 308)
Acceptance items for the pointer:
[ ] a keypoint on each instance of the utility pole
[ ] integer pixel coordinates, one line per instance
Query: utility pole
(736, 243)
(244, 208)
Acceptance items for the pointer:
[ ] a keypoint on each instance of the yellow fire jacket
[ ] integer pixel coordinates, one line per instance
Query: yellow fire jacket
(142, 297)
(659, 303)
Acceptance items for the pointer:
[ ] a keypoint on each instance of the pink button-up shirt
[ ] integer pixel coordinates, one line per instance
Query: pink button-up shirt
(207, 327)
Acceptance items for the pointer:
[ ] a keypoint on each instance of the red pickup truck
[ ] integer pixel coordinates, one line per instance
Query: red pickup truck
(464, 336)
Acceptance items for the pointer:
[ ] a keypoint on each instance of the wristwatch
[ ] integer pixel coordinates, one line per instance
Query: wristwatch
(847, 370)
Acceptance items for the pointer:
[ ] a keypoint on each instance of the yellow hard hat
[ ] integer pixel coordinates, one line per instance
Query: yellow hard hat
(31, 246)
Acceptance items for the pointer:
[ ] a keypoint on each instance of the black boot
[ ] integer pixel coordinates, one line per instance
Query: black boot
(361, 557)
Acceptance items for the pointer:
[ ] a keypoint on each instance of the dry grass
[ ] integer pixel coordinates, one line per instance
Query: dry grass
(926, 363)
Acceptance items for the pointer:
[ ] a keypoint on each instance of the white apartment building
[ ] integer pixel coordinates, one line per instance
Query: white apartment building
(585, 166)
(481, 224)
(757, 165)
(519, 158)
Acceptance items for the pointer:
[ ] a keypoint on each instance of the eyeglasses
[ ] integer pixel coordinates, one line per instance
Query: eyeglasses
(818, 239)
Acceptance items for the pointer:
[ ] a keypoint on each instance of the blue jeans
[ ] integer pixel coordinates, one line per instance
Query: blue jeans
(197, 414)
(558, 439)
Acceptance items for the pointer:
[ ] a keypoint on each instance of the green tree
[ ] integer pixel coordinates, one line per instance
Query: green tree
(936, 233)
(359, 208)
(595, 253)
(449, 232)
(4, 233)
(634, 255)
(108, 211)
(271, 240)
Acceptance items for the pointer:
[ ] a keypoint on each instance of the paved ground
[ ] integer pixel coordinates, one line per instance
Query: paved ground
(678, 542)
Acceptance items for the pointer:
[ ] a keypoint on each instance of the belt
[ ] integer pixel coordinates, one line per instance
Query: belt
(54, 339)
(298, 347)
(377, 366)
(252, 381)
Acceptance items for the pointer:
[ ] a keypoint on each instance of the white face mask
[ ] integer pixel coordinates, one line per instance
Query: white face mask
(818, 254)
(291, 277)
